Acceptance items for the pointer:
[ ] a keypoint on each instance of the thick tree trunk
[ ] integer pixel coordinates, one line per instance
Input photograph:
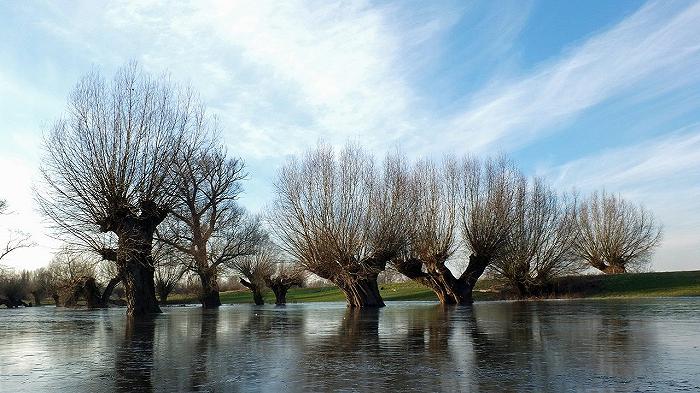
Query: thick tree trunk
(37, 298)
(448, 289)
(109, 289)
(257, 292)
(56, 299)
(210, 289)
(280, 294)
(140, 289)
(92, 294)
(466, 282)
(281, 284)
(362, 292)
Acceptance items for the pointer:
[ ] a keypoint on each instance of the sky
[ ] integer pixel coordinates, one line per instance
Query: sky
(589, 94)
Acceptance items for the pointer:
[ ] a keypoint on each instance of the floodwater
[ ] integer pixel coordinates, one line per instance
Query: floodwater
(556, 346)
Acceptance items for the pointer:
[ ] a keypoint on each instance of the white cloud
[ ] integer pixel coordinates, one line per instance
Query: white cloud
(657, 45)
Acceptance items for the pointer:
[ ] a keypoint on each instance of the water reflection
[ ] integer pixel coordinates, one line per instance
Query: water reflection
(134, 358)
(501, 346)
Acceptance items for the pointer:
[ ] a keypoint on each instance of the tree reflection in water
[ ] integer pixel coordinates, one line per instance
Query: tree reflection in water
(134, 357)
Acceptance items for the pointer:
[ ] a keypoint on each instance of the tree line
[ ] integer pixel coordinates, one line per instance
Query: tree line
(135, 172)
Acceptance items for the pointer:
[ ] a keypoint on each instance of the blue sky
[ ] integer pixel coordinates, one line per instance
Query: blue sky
(590, 94)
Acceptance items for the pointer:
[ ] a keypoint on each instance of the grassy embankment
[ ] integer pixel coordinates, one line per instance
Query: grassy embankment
(592, 286)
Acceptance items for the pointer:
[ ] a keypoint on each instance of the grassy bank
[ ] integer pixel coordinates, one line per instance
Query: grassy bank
(592, 286)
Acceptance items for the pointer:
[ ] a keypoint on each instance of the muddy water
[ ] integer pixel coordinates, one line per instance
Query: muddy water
(557, 346)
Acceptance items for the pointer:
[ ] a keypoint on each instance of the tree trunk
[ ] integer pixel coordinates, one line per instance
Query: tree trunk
(467, 281)
(362, 292)
(280, 294)
(91, 293)
(258, 297)
(56, 299)
(37, 298)
(140, 289)
(257, 292)
(448, 289)
(110, 288)
(210, 289)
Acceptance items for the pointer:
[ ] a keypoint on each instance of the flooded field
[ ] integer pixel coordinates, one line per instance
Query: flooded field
(591, 345)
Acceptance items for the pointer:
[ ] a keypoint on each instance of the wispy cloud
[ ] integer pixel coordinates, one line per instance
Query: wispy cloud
(657, 45)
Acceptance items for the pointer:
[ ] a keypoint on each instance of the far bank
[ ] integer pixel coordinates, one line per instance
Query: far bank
(628, 285)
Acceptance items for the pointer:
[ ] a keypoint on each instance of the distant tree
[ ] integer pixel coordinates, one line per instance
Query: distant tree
(41, 284)
(14, 289)
(341, 218)
(540, 244)
(207, 223)
(613, 235)
(283, 276)
(255, 267)
(15, 240)
(170, 265)
(108, 168)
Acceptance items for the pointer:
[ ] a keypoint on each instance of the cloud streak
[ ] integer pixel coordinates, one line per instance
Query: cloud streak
(657, 45)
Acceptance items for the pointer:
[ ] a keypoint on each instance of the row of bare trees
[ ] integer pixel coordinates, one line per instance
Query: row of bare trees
(134, 172)
(345, 218)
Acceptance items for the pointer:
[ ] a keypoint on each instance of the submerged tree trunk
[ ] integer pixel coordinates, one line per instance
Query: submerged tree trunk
(140, 289)
(362, 292)
(448, 289)
(280, 294)
(37, 298)
(280, 285)
(109, 289)
(257, 291)
(210, 289)
(467, 281)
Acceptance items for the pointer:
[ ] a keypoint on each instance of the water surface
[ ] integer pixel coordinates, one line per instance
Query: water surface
(589, 345)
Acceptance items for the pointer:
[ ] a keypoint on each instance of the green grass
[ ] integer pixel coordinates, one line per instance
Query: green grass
(389, 292)
(631, 285)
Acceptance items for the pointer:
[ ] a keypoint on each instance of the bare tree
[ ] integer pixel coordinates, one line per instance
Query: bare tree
(255, 267)
(14, 289)
(41, 284)
(539, 247)
(472, 195)
(486, 210)
(74, 276)
(341, 218)
(170, 265)
(108, 168)
(613, 234)
(283, 276)
(434, 228)
(15, 240)
(208, 225)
